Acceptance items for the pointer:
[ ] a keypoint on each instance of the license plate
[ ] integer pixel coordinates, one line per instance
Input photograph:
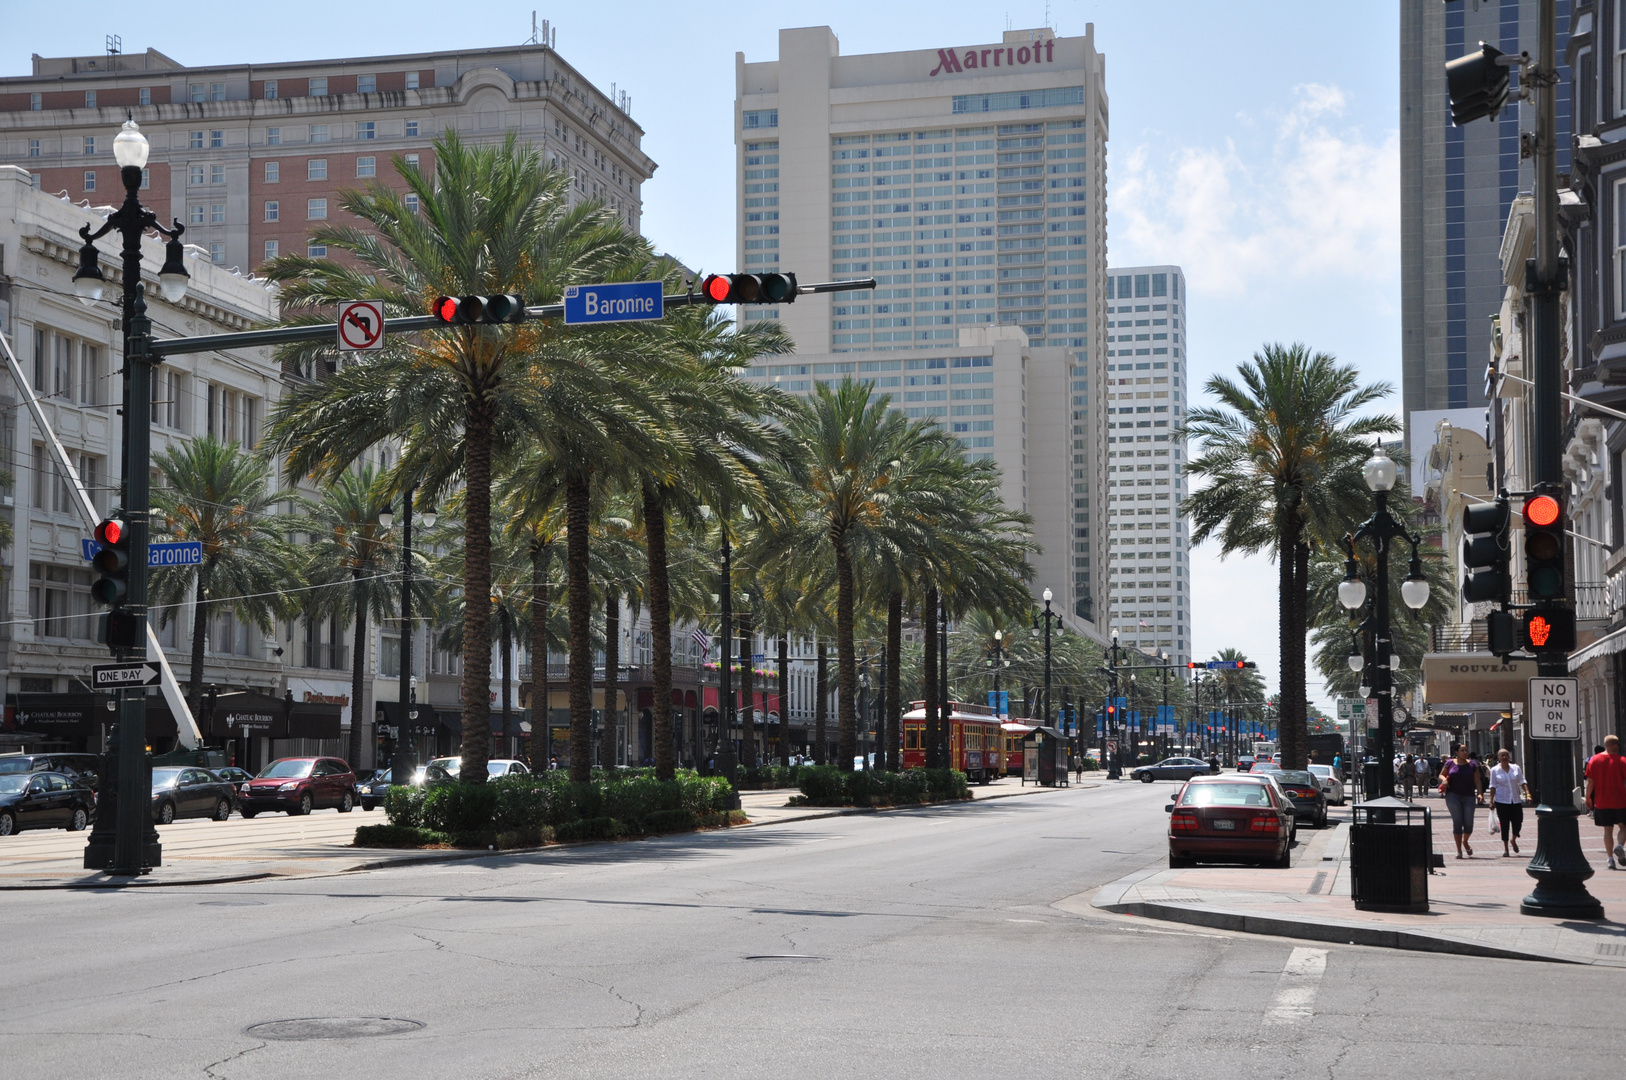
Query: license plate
(1226, 824)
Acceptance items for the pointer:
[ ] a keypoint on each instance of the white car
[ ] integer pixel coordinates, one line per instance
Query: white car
(451, 765)
(1330, 783)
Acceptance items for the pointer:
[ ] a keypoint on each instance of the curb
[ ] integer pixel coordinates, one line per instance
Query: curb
(139, 884)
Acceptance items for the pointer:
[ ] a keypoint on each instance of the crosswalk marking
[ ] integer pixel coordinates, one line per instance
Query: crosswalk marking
(1296, 989)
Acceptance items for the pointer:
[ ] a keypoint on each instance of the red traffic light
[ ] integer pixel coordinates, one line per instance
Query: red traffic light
(445, 309)
(750, 288)
(474, 310)
(1542, 510)
(717, 287)
(110, 532)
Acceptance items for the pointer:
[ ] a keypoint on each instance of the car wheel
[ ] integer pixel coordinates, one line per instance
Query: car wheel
(1146, 778)
(8, 823)
(80, 818)
(1285, 862)
(347, 803)
(250, 814)
(166, 813)
(304, 807)
(1321, 820)
(222, 809)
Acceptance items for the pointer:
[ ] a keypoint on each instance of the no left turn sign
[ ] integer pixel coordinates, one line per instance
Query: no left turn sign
(361, 325)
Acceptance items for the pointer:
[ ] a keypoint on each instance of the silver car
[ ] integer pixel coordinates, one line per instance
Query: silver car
(1175, 768)
(1330, 783)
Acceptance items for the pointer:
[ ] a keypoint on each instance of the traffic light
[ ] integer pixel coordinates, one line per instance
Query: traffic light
(478, 310)
(1544, 544)
(1477, 85)
(1486, 552)
(750, 288)
(112, 560)
(1499, 633)
(1549, 628)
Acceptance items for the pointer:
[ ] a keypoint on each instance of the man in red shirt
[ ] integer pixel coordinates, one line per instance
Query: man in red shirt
(1606, 798)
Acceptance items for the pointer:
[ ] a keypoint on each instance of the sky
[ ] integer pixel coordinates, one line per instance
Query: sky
(1254, 143)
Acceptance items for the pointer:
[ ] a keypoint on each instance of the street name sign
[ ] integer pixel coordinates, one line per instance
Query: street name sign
(361, 325)
(621, 301)
(1550, 711)
(180, 553)
(119, 676)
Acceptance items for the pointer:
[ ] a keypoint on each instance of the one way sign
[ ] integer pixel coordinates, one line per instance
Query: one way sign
(118, 676)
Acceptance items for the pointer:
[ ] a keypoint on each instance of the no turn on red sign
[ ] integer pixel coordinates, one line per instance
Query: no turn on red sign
(1550, 710)
(361, 325)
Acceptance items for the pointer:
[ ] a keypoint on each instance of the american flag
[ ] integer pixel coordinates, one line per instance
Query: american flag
(1146, 624)
(701, 639)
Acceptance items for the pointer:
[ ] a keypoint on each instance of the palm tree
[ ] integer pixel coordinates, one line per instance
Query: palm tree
(491, 219)
(1277, 454)
(213, 493)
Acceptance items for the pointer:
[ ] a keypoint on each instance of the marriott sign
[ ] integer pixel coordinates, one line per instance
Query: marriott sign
(950, 61)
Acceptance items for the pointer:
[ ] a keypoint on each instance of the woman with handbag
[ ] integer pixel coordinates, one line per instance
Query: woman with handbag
(1461, 783)
(1508, 795)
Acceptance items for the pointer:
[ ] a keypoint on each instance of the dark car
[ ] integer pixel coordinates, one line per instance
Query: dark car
(82, 767)
(1230, 819)
(298, 786)
(1304, 790)
(374, 790)
(181, 791)
(233, 775)
(44, 800)
(1244, 763)
(1175, 768)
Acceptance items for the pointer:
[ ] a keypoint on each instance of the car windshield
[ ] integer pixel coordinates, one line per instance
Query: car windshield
(381, 778)
(15, 765)
(1224, 795)
(1295, 776)
(13, 783)
(163, 778)
(1321, 770)
(292, 769)
(1266, 766)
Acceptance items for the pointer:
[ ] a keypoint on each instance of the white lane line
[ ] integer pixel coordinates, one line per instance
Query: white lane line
(1296, 989)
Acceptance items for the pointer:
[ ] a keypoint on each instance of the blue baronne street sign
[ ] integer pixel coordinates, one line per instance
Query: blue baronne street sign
(184, 553)
(622, 301)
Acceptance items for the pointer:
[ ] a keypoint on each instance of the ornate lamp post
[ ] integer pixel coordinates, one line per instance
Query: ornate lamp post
(1110, 726)
(998, 662)
(1046, 615)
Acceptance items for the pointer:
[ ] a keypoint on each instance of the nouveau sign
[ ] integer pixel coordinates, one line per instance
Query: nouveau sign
(949, 60)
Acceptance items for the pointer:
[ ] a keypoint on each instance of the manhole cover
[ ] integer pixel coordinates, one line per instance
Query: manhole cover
(231, 903)
(333, 1027)
(789, 958)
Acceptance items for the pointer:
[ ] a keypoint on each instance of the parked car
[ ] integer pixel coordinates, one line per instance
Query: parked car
(44, 800)
(1230, 819)
(1244, 763)
(450, 766)
(1331, 783)
(79, 766)
(233, 775)
(298, 786)
(1175, 768)
(179, 792)
(1264, 766)
(372, 791)
(1304, 791)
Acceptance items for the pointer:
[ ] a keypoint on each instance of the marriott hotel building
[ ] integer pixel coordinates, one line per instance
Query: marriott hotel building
(970, 182)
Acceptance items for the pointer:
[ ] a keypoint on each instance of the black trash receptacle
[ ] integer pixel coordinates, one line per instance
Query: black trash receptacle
(1369, 780)
(1390, 845)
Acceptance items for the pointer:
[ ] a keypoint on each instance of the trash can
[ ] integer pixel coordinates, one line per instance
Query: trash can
(1369, 779)
(1390, 842)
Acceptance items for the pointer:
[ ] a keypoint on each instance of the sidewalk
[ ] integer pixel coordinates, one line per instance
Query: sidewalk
(1473, 903)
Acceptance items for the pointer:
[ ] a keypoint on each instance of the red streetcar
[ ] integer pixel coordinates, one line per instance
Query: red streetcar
(976, 740)
(1014, 731)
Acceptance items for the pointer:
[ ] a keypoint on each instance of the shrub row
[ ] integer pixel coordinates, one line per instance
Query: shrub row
(826, 785)
(768, 777)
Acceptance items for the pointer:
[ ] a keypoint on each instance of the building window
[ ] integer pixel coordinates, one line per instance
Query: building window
(217, 174)
(412, 162)
(59, 602)
(194, 214)
(90, 99)
(366, 129)
(273, 136)
(217, 251)
(318, 133)
(412, 129)
(319, 87)
(217, 91)
(217, 214)
(194, 174)
(168, 389)
(366, 166)
(270, 89)
(194, 92)
(1620, 249)
(760, 118)
(34, 103)
(316, 169)
(194, 140)
(232, 416)
(90, 145)
(33, 148)
(316, 210)
(273, 172)
(316, 251)
(34, 180)
(144, 96)
(271, 209)
(411, 202)
(90, 180)
(412, 80)
(217, 139)
(272, 250)
(366, 84)
(146, 179)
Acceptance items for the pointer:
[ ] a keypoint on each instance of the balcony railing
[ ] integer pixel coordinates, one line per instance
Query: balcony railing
(1592, 601)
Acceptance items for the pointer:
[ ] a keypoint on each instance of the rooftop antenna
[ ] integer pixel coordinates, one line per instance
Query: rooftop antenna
(532, 39)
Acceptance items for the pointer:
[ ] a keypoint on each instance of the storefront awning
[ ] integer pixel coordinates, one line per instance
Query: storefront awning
(429, 721)
(1608, 645)
(1460, 682)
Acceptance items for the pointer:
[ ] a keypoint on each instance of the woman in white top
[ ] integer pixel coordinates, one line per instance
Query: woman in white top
(1508, 793)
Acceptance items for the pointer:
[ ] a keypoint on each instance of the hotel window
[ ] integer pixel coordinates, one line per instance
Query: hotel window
(166, 398)
(316, 169)
(217, 214)
(273, 172)
(90, 145)
(760, 118)
(217, 91)
(318, 133)
(272, 250)
(146, 179)
(412, 162)
(318, 86)
(194, 92)
(90, 180)
(412, 80)
(34, 180)
(366, 166)
(366, 129)
(411, 203)
(144, 96)
(1620, 249)
(270, 89)
(217, 139)
(217, 251)
(217, 174)
(59, 602)
(412, 129)
(366, 84)
(34, 103)
(194, 214)
(316, 210)
(232, 416)
(194, 140)
(273, 136)
(90, 99)
(271, 210)
(316, 251)
(33, 148)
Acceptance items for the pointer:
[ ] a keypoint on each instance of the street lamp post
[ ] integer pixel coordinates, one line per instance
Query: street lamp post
(1163, 713)
(1047, 615)
(1110, 719)
(124, 841)
(725, 703)
(1380, 473)
(997, 663)
(405, 762)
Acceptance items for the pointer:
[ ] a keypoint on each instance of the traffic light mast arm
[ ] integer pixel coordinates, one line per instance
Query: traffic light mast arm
(290, 335)
(1574, 399)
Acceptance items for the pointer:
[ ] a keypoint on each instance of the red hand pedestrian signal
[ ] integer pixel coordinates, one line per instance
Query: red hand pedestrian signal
(1539, 630)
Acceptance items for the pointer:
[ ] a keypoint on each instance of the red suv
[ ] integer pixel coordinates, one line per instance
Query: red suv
(298, 786)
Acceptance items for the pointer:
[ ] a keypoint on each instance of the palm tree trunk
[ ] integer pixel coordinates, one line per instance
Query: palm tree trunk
(357, 678)
(539, 658)
(894, 653)
(784, 700)
(200, 626)
(610, 737)
(660, 630)
(928, 616)
(476, 749)
(821, 704)
(748, 713)
(580, 601)
(847, 657)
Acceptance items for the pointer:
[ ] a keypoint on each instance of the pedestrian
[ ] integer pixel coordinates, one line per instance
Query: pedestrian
(1408, 775)
(1606, 798)
(1460, 783)
(553, 764)
(1508, 795)
(1213, 764)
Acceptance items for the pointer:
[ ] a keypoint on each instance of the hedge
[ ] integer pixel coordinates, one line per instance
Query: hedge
(826, 785)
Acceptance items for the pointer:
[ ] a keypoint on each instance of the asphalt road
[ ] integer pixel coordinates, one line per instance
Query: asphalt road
(927, 944)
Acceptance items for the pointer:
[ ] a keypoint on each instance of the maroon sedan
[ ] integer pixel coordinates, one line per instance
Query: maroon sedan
(1230, 819)
(298, 786)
